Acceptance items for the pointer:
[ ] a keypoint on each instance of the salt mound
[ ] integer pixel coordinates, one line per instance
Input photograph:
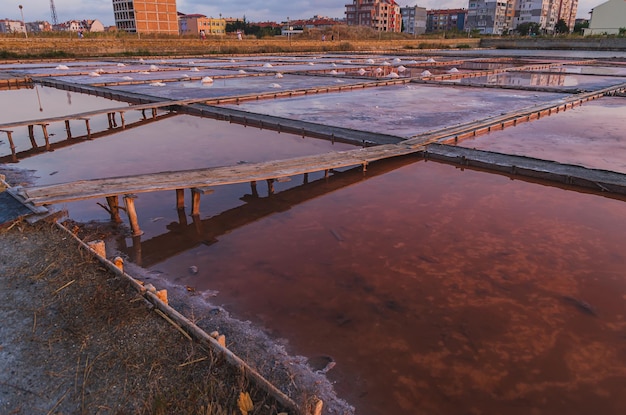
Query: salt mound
(144, 73)
(275, 86)
(334, 65)
(426, 73)
(94, 74)
(194, 69)
(453, 70)
(430, 60)
(241, 71)
(127, 78)
(154, 68)
(62, 67)
(401, 68)
(393, 75)
(397, 60)
(311, 63)
(157, 84)
(268, 65)
(207, 80)
(379, 70)
(278, 75)
(361, 71)
(334, 72)
(385, 63)
(370, 61)
(121, 65)
(192, 63)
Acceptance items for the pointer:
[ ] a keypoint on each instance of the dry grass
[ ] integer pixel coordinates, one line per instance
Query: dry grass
(83, 341)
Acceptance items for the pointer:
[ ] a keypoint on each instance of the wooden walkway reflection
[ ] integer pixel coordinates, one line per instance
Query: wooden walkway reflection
(189, 232)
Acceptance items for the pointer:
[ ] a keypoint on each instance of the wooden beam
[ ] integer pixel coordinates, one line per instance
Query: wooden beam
(114, 208)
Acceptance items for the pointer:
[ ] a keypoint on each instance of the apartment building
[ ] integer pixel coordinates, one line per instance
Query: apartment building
(195, 24)
(491, 17)
(546, 13)
(414, 20)
(445, 20)
(146, 16)
(381, 15)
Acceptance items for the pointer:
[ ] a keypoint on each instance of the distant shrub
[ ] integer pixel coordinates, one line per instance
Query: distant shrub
(463, 46)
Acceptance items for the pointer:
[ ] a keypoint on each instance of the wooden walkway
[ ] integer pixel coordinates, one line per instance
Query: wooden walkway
(552, 171)
(241, 173)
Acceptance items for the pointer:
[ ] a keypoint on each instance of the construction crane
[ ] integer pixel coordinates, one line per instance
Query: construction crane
(53, 12)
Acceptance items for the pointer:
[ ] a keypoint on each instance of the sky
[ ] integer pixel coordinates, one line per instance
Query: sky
(253, 10)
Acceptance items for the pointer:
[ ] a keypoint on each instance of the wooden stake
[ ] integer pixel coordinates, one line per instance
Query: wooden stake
(44, 128)
(114, 208)
(31, 135)
(255, 193)
(180, 199)
(123, 121)
(68, 129)
(10, 137)
(129, 202)
(270, 186)
(195, 202)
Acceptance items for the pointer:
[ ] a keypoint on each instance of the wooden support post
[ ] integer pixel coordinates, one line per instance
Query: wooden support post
(195, 202)
(270, 186)
(180, 199)
(305, 180)
(44, 128)
(109, 119)
(114, 208)
(143, 114)
(11, 144)
(326, 173)
(255, 192)
(68, 129)
(123, 121)
(129, 202)
(364, 166)
(87, 126)
(31, 135)
(154, 112)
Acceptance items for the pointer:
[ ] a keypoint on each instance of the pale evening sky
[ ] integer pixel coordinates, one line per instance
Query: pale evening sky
(253, 10)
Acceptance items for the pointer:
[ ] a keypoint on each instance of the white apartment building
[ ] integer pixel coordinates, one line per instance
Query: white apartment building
(490, 17)
(546, 13)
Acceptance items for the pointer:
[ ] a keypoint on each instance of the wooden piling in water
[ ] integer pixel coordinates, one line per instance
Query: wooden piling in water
(11, 144)
(180, 199)
(114, 208)
(68, 130)
(44, 129)
(129, 202)
(31, 136)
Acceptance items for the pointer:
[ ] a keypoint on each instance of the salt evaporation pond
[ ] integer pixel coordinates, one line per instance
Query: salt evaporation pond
(402, 110)
(591, 135)
(435, 289)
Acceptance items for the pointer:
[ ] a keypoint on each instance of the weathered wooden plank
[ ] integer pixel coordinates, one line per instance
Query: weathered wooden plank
(595, 179)
(240, 173)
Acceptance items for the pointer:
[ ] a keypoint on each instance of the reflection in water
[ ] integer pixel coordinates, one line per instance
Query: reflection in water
(437, 291)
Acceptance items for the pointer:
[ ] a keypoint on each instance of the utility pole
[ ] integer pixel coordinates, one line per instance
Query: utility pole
(24, 23)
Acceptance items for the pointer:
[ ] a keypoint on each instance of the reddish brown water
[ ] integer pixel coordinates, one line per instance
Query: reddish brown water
(439, 291)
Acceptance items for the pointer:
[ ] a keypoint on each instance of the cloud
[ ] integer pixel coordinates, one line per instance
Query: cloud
(254, 10)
